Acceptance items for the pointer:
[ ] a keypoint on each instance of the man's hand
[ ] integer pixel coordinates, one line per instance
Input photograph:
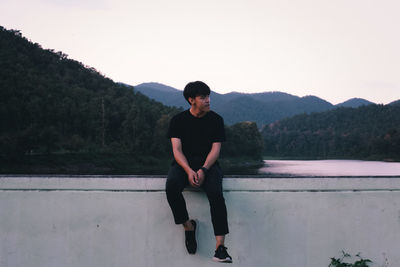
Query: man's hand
(201, 176)
(193, 178)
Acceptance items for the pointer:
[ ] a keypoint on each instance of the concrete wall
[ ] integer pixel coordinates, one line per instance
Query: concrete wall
(126, 221)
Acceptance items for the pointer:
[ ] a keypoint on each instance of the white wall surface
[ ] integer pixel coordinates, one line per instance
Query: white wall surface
(126, 221)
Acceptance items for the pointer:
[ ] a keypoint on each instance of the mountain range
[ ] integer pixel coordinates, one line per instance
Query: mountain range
(262, 108)
(51, 105)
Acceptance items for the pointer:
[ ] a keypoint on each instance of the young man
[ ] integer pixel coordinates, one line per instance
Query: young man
(196, 135)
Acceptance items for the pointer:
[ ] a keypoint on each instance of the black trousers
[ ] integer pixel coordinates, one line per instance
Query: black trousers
(177, 180)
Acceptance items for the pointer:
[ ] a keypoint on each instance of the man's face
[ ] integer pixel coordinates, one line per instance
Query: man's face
(201, 102)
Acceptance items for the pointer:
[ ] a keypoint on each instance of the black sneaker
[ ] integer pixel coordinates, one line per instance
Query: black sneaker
(190, 239)
(221, 255)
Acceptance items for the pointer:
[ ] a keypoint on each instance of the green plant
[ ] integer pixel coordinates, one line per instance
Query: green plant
(335, 262)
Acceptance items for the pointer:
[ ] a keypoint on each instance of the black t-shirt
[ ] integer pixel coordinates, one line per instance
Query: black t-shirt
(197, 134)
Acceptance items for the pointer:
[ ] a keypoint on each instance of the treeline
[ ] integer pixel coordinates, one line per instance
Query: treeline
(243, 141)
(367, 132)
(50, 104)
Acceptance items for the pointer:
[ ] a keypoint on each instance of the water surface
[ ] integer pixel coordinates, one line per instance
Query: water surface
(331, 168)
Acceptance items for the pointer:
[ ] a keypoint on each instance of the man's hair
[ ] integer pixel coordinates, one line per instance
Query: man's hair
(194, 89)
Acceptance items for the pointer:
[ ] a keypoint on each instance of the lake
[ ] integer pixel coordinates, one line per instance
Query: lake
(330, 168)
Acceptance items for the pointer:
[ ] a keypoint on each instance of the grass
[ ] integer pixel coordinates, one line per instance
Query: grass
(109, 164)
(240, 166)
(85, 163)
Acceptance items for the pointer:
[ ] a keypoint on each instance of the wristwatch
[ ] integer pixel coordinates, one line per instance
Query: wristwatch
(205, 170)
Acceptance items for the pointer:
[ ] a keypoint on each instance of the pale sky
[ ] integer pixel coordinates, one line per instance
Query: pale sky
(333, 49)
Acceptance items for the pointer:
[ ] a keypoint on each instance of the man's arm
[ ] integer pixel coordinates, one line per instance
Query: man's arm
(212, 157)
(182, 161)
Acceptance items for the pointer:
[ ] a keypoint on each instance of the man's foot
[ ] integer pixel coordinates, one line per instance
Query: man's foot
(221, 255)
(190, 239)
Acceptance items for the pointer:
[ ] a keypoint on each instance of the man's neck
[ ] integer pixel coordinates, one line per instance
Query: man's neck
(197, 113)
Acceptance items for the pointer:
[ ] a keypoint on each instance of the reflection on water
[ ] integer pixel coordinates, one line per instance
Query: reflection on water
(331, 168)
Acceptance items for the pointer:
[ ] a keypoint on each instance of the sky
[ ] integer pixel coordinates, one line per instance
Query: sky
(335, 50)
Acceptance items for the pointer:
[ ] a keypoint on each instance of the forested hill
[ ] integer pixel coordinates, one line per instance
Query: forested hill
(262, 108)
(354, 102)
(369, 132)
(52, 105)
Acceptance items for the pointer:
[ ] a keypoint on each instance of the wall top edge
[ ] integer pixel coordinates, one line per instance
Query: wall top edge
(260, 176)
(157, 183)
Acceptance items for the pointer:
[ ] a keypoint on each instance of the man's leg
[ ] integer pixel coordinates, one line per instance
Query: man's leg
(176, 181)
(213, 188)
(220, 241)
